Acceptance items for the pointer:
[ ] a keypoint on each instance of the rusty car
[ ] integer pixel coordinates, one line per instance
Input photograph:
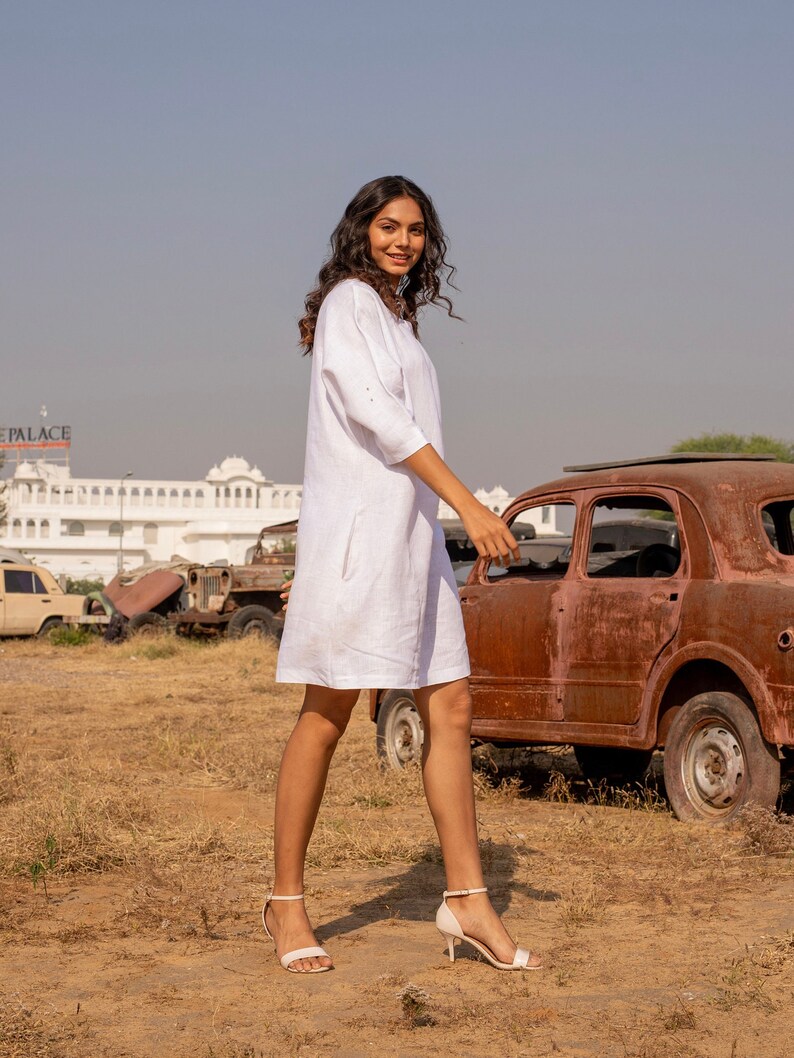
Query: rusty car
(145, 596)
(621, 647)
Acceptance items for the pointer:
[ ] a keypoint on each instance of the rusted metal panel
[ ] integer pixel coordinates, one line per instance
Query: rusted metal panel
(259, 578)
(144, 594)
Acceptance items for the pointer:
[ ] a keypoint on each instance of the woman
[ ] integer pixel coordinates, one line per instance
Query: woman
(374, 602)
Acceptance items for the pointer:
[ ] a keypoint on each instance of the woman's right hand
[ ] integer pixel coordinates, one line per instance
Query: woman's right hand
(489, 534)
(285, 590)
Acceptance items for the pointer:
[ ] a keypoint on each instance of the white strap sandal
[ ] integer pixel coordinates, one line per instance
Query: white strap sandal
(450, 929)
(315, 951)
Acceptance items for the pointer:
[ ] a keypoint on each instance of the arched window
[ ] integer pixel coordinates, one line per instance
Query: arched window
(16, 527)
(199, 497)
(174, 498)
(95, 495)
(110, 498)
(187, 498)
(55, 495)
(30, 528)
(147, 497)
(76, 529)
(276, 498)
(114, 529)
(44, 532)
(150, 533)
(249, 497)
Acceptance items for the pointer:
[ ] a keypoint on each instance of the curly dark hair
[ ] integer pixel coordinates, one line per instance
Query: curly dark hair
(350, 257)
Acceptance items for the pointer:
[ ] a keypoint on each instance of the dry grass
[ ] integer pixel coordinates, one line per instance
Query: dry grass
(140, 778)
(38, 1030)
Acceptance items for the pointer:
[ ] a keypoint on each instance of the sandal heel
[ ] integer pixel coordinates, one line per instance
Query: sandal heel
(450, 944)
(448, 926)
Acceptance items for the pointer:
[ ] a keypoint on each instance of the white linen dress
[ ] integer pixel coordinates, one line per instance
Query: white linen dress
(374, 601)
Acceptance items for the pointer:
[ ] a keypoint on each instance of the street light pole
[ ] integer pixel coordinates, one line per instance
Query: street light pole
(121, 520)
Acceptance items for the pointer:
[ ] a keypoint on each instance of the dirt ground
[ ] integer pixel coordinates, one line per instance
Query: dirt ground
(136, 795)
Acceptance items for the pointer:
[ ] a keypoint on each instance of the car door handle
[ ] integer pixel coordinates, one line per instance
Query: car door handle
(46, 601)
(663, 596)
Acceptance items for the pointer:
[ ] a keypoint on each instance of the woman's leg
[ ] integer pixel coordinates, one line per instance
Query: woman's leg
(301, 783)
(445, 709)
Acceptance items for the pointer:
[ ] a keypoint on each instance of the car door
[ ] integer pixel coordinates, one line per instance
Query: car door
(621, 606)
(510, 618)
(27, 602)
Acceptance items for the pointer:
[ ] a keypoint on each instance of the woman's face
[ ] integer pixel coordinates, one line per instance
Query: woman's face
(397, 237)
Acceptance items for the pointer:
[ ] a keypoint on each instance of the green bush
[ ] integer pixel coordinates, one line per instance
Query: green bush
(84, 586)
(71, 636)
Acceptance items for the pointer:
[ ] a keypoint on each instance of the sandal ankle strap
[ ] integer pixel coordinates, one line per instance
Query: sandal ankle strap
(272, 897)
(464, 892)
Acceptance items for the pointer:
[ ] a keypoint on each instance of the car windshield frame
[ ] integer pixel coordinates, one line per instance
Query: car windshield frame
(479, 573)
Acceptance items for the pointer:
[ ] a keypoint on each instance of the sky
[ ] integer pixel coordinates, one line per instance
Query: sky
(615, 179)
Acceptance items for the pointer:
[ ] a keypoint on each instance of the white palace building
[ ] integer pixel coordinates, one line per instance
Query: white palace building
(90, 527)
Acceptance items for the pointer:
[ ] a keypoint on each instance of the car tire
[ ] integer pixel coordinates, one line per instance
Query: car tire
(252, 621)
(612, 764)
(716, 760)
(146, 624)
(49, 626)
(400, 732)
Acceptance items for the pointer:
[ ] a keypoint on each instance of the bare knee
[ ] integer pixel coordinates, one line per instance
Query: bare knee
(446, 708)
(327, 712)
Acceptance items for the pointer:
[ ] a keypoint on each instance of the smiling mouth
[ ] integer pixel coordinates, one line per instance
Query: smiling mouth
(400, 258)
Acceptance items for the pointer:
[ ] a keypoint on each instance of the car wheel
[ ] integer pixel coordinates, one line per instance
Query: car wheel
(146, 624)
(716, 760)
(252, 621)
(612, 764)
(400, 733)
(49, 626)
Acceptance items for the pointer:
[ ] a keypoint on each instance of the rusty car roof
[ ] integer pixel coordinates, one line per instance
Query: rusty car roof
(677, 457)
(697, 478)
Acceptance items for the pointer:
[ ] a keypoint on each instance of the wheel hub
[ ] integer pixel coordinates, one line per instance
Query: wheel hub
(407, 736)
(714, 766)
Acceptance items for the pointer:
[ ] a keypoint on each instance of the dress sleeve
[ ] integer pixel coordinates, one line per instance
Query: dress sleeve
(361, 377)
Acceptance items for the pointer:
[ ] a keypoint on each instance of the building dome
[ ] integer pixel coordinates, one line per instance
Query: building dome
(233, 468)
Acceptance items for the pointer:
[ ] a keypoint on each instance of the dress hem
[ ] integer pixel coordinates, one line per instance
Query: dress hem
(455, 672)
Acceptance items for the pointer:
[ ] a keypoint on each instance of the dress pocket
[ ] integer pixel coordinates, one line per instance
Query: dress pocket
(348, 563)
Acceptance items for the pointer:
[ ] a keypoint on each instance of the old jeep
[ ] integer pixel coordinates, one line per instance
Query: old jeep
(237, 600)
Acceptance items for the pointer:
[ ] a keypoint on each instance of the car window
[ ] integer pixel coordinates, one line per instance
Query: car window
(778, 522)
(19, 581)
(633, 536)
(38, 587)
(543, 532)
